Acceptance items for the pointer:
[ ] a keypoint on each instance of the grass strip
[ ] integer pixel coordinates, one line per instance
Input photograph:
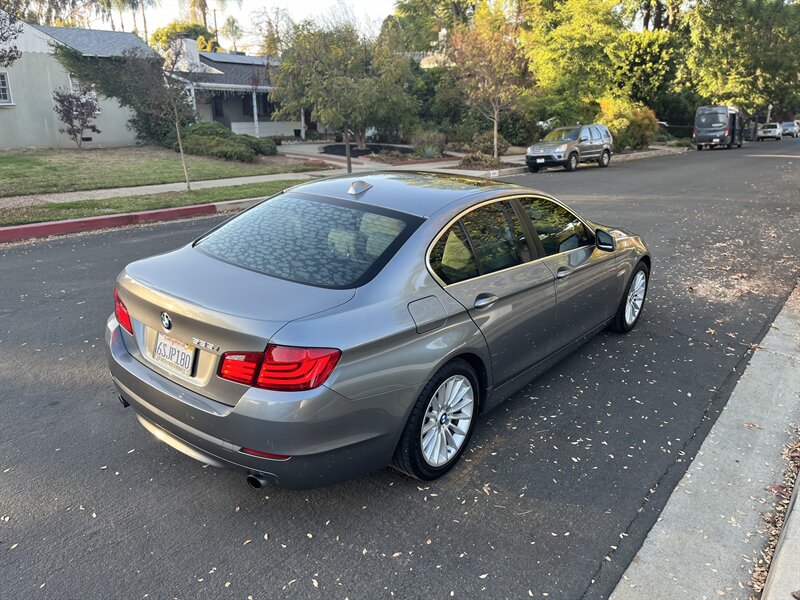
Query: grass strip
(110, 206)
(33, 172)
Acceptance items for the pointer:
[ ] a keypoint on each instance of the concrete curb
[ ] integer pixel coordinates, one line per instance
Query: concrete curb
(784, 577)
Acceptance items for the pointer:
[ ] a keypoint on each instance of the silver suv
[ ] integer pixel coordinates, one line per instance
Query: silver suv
(568, 146)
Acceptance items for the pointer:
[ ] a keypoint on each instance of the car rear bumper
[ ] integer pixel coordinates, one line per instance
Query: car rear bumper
(327, 437)
(713, 141)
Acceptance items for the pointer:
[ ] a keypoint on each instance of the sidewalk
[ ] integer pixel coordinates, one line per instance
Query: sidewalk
(710, 534)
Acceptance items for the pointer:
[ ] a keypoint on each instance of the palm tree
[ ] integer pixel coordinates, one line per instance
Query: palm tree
(231, 30)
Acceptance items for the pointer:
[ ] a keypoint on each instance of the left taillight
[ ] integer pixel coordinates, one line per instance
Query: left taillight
(121, 312)
(280, 368)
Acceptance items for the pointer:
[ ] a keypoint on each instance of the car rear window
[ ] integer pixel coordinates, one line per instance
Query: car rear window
(315, 241)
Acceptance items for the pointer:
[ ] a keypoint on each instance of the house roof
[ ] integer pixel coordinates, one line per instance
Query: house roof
(95, 42)
(233, 71)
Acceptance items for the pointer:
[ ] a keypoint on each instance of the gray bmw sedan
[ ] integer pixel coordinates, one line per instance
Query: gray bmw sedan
(355, 322)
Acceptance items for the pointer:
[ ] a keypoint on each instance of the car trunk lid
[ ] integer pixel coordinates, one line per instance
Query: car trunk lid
(188, 308)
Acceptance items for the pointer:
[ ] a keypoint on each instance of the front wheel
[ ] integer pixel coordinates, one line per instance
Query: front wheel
(572, 162)
(533, 169)
(605, 159)
(630, 307)
(440, 424)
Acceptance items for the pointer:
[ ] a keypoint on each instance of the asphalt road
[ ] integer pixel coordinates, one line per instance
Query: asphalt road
(555, 497)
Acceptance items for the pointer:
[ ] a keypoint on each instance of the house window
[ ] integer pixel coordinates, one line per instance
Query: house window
(5, 89)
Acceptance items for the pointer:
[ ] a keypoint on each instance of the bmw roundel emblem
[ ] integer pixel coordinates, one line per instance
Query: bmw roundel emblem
(166, 322)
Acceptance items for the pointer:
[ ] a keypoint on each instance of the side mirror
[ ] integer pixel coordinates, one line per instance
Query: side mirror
(604, 241)
(583, 139)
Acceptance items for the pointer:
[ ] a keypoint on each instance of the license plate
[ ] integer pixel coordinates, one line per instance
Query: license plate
(539, 160)
(174, 353)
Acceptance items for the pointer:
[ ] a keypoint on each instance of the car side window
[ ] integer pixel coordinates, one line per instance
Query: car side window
(605, 132)
(452, 258)
(596, 135)
(558, 229)
(497, 236)
(585, 133)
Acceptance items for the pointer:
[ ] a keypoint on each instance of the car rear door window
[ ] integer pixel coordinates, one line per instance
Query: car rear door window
(558, 229)
(452, 258)
(485, 240)
(335, 244)
(497, 237)
(596, 135)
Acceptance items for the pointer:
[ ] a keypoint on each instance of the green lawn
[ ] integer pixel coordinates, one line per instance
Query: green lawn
(28, 172)
(93, 208)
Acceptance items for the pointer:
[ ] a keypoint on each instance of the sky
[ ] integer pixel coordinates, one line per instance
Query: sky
(370, 11)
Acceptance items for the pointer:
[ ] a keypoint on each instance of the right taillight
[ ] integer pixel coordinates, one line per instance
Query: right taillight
(281, 368)
(121, 313)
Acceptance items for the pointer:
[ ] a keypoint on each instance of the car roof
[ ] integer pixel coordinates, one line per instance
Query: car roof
(413, 192)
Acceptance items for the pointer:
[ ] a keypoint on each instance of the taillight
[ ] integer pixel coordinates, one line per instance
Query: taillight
(281, 368)
(694, 132)
(240, 366)
(121, 313)
(726, 132)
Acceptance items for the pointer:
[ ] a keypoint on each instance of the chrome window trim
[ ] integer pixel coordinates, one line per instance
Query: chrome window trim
(450, 223)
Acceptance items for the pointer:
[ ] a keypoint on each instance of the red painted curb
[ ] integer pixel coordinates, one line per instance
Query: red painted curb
(17, 233)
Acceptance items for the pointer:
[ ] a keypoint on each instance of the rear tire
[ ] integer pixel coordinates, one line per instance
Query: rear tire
(572, 162)
(605, 159)
(699, 147)
(533, 169)
(625, 319)
(434, 411)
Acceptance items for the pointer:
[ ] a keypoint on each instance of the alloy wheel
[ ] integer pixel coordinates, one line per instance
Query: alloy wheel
(447, 420)
(633, 305)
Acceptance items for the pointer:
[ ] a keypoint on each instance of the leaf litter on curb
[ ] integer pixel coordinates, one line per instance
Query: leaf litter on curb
(774, 520)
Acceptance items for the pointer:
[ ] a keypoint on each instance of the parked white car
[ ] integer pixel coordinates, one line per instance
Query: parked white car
(770, 130)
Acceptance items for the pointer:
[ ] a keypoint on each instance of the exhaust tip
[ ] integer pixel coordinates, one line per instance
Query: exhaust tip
(256, 480)
(122, 401)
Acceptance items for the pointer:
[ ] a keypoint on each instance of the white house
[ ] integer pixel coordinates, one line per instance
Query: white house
(233, 89)
(27, 118)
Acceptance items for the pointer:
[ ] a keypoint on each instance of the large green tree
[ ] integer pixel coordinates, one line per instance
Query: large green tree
(643, 64)
(490, 67)
(163, 37)
(566, 42)
(746, 52)
(418, 22)
(350, 81)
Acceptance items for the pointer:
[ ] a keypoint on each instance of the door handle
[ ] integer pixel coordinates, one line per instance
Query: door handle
(562, 272)
(485, 300)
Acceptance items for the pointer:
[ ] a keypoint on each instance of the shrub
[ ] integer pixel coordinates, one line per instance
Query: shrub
(263, 146)
(520, 128)
(208, 128)
(480, 161)
(428, 152)
(633, 125)
(429, 139)
(219, 147)
(483, 143)
(209, 138)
